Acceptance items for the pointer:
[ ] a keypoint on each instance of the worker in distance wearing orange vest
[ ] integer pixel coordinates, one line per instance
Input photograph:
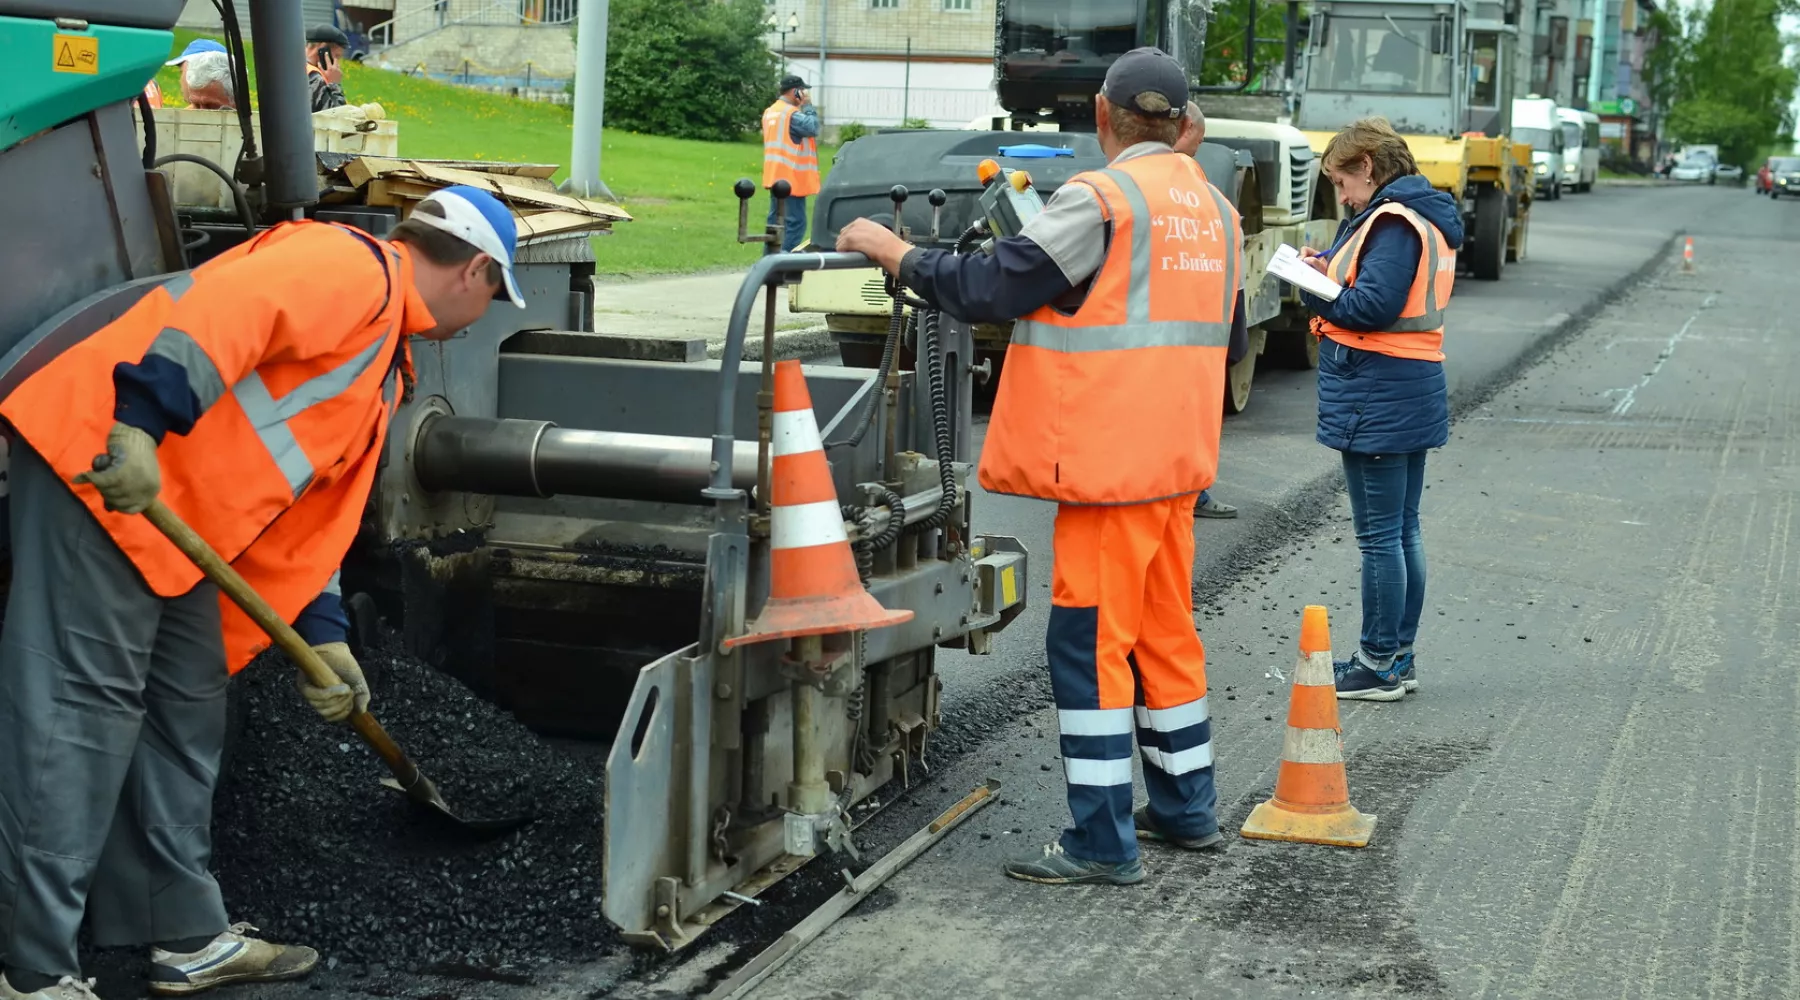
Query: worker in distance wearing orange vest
(1383, 400)
(252, 396)
(790, 129)
(1127, 289)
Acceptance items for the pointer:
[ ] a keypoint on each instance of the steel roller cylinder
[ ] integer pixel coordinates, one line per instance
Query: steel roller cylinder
(535, 458)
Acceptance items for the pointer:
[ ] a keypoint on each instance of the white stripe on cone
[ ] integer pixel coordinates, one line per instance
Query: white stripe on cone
(796, 433)
(1312, 746)
(799, 526)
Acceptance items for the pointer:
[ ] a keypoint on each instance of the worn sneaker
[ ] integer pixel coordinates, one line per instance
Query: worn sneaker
(1146, 830)
(232, 957)
(1213, 508)
(1409, 678)
(1057, 868)
(1359, 682)
(66, 988)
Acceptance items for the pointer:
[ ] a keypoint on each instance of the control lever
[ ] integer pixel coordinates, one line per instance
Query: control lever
(745, 189)
(898, 195)
(937, 197)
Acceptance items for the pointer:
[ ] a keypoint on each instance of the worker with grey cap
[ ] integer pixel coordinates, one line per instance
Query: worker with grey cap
(790, 130)
(1124, 289)
(325, 48)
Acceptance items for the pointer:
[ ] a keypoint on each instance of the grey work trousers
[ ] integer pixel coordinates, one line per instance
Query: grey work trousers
(112, 721)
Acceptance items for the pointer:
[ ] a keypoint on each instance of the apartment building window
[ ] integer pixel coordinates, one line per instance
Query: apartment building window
(962, 5)
(884, 4)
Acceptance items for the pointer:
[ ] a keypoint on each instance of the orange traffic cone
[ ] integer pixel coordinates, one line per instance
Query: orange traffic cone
(813, 586)
(1312, 796)
(1687, 255)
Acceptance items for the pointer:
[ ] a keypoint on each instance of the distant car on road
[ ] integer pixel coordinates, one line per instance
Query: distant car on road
(1693, 170)
(1784, 176)
(1729, 172)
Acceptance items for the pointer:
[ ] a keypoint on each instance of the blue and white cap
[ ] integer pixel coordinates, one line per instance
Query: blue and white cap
(198, 46)
(479, 219)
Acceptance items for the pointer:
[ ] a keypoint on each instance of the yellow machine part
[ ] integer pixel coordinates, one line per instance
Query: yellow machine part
(1451, 163)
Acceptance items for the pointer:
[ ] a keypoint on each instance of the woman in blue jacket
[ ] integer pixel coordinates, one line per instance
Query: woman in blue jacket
(1382, 396)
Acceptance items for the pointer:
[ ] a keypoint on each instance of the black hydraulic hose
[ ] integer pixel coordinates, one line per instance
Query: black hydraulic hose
(932, 351)
(237, 191)
(143, 104)
(971, 238)
(890, 348)
(240, 72)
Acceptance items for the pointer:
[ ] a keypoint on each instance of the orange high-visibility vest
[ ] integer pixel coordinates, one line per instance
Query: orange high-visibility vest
(1419, 332)
(292, 342)
(787, 160)
(1121, 402)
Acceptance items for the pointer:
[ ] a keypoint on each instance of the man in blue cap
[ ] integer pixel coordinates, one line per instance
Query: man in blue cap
(259, 387)
(206, 81)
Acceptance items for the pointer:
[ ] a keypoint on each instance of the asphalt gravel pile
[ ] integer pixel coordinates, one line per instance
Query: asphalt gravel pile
(310, 848)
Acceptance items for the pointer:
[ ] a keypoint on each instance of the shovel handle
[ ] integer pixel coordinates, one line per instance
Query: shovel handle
(235, 587)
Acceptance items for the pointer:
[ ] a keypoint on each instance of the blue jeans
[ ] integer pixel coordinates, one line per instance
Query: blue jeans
(1384, 504)
(796, 222)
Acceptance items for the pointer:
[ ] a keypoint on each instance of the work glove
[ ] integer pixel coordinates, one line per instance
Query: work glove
(336, 702)
(132, 478)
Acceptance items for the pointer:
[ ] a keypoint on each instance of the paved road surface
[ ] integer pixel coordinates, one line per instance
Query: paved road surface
(1595, 792)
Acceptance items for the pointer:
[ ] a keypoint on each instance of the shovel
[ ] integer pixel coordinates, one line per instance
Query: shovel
(407, 778)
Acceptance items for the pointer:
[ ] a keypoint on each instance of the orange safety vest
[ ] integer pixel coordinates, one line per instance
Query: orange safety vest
(787, 160)
(297, 374)
(1120, 402)
(1419, 332)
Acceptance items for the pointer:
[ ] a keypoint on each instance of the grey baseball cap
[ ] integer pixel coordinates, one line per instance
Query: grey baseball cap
(1148, 81)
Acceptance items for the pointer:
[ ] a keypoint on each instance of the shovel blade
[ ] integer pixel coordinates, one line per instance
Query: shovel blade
(425, 795)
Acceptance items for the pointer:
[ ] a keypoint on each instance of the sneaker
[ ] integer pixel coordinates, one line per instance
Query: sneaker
(232, 957)
(66, 988)
(1409, 678)
(1358, 682)
(1057, 868)
(1213, 508)
(1146, 830)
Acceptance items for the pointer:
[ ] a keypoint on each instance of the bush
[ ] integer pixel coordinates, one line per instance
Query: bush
(915, 123)
(692, 69)
(852, 130)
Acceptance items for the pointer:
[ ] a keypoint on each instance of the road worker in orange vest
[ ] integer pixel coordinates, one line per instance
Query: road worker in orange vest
(790, 130)
(252, 396)
(1127, 291)
(1193, 133)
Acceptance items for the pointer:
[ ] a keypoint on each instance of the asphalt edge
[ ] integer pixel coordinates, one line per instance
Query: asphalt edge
(789, 344)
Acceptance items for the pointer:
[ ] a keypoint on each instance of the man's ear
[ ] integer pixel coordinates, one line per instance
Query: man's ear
(475, 271)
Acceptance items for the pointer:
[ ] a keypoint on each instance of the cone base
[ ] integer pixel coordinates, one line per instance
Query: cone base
(1347, 828)
(790, 618)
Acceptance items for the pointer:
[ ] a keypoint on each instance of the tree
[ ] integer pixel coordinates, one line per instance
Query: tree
(1733, 82)
(692, 69)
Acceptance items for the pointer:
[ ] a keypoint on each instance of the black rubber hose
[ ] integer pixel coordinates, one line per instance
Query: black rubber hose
(890, 349)
(240, 69)
(143, 104)
(971, 238)
(237, 191)
(940, 420)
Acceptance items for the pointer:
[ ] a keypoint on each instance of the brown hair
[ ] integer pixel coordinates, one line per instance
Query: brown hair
(1131, 128)
(440, 247)
(1376, 139)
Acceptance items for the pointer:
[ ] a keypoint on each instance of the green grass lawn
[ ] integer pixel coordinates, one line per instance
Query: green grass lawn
(678, 191)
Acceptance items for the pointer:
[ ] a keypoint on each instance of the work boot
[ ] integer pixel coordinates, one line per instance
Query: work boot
(1213, 508)
(1358, 681)
(1409, 678)
(232, 957)
(1147, 830)
(1057, 868)
(66, 988)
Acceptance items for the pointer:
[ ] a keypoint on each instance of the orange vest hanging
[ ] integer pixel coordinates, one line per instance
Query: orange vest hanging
(787, 160)
(1419, 332)
(1121, 401)
(276, 472)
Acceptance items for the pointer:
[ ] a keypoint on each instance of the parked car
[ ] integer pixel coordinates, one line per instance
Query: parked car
(1784, 176)
(1693, 170)
(1729, 172)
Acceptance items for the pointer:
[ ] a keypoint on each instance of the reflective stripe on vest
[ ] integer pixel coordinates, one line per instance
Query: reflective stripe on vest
(1433, 317)
(1418, 331)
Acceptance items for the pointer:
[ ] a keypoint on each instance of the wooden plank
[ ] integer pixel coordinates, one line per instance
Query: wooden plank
(552, 223)
(364, 169)
(510, 190)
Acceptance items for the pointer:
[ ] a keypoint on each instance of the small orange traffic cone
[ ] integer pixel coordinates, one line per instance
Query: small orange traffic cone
(813, 586)
(1687, 255)
(1312, 795)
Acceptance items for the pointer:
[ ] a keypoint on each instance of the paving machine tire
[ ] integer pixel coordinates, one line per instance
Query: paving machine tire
(1487, 250)
(1295, 350)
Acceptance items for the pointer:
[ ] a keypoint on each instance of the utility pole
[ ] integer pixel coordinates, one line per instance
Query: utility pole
(590, 102)
(1596, 43)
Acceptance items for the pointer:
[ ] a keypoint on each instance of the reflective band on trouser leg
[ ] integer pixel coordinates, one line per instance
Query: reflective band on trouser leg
(270, 416)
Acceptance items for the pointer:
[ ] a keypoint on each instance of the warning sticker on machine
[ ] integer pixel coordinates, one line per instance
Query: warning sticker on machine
(75, 54)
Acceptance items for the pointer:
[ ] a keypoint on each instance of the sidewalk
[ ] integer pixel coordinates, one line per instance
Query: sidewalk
(700, 306)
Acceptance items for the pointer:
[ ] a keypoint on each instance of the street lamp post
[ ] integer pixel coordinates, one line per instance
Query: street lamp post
(792, 25)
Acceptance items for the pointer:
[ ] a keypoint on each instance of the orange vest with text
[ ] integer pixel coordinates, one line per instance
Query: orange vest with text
(1121, 401)
(297, 378)
(1419, 332)
(787, 160)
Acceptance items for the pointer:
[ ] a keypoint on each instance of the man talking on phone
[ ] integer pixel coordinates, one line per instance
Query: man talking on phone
(325, 46)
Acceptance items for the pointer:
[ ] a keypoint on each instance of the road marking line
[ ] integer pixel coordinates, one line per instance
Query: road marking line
(1630, 393)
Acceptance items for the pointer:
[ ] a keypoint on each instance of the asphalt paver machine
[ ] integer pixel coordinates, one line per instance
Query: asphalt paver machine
(573, 523)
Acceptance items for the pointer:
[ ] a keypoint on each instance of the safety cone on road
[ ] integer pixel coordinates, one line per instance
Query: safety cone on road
(1312, 795)
(1687, 256)
(813, 585)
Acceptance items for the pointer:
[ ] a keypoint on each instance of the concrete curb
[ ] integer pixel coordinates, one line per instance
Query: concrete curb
(801, 343)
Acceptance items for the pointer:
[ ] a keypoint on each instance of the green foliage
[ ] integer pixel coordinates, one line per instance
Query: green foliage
(692, 69)
(852, 130)
(1224, 62)
(1729, 77)
(915, 123)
